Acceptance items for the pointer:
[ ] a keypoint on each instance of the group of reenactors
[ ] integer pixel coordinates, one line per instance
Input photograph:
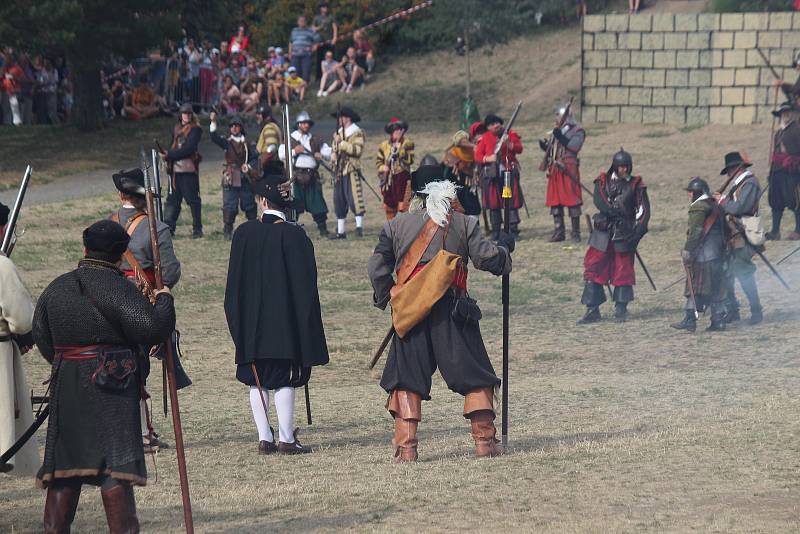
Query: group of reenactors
(100, 324)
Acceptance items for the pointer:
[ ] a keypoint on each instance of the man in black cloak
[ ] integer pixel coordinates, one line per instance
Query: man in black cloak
(273, 311)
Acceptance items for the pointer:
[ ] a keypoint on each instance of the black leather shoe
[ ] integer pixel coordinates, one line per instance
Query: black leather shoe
(732, 317)
(756, 316)
(716, 326)
(359, 231)
(293, 448)
(592, 315)
(688, 324)
(621, 312)
(337, 236)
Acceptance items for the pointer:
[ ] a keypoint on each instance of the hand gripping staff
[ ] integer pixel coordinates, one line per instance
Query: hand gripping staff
(173, 391)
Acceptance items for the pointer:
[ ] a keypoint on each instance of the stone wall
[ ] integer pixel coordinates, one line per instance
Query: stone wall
(685, 68)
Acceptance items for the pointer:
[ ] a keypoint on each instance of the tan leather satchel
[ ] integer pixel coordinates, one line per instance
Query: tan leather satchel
(413, 299)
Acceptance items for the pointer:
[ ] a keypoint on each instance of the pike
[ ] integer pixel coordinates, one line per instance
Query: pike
(644, 268)
(506, 285)
(291, 211)
(173, 391)
(155, 159)
(10, 237)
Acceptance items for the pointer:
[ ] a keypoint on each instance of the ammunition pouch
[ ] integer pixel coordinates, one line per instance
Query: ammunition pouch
(465, 311)
(490, 171)
(116, 369)
(305, 176)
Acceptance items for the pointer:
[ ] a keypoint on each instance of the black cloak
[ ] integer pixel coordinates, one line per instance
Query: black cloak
(271, 297)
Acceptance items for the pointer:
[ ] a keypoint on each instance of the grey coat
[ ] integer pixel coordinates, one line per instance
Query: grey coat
(143, 252)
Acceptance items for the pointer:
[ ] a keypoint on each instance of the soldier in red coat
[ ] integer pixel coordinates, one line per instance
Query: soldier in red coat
(492, 167)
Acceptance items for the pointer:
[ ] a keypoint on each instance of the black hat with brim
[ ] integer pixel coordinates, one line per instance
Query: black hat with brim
(347, 112)
(269, 188)
(186, 108)
(130, 182)
(395, 124)
(733, 159)
(492, 119)
(107, 238)
(786, 106)
(425, 175)
(4, 213)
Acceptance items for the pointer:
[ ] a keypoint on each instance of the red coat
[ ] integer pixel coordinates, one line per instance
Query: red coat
(561, 189)
(485, 147)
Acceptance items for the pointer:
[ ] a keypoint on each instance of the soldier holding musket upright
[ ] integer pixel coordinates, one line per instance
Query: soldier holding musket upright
(784, 179)
(394, 160)
(183, 159)
(348, 192)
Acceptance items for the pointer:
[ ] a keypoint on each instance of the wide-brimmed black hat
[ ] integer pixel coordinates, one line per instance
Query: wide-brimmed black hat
(492, 119)
(4, 213)
(107, 238)
(786, 106)
(429, 171)
(269, 188)
(347, 112)
(395, 124)
(264, 111)
(186, 108)
(733, 159)
(130, 182)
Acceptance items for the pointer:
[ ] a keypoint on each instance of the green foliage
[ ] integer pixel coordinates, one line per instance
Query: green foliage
(723, 6)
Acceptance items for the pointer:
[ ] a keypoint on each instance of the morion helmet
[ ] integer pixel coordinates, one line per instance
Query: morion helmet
(698, 185)
(303, 116)
(622, 158)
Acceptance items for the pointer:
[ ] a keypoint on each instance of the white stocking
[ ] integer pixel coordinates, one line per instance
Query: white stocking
(259, 415)
(359, 221)
(340, 226)
(284, 405)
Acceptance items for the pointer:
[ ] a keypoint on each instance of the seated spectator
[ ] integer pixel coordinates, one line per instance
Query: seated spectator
(143, 103)
(331, 76)
(279, 61)
(119, 97)
(365, 57)
(252, 88)
(231, 96)
(351, 74)
(239, 42)
(294, 86)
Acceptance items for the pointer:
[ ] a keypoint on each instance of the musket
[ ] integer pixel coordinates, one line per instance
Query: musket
(757, 250)
(379, 352)
(504, 137)
(691, 290)
(338, 130)
(549, 155)
(11, 227)
(371, 189)
(173, 391)
(507, 195)
(157, 185)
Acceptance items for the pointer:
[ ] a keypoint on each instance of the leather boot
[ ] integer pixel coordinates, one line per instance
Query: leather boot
(120, 507)
(775, 233)
(197, 221)
(391, 213)
(592, 315)
(689, 323)
(621, 312)
(559, 230)
(751, 291)
(479, 409)
(406, 408)
(322, 226)
(60, 507)
(228, 219)
(576, 229)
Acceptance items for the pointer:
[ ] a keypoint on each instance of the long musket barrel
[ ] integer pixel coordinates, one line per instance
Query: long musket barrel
(173, 391)
(11, 227)
(504, 137)
(157, 184)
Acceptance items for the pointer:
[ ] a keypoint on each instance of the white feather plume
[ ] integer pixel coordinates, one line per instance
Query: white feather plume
(437, 200)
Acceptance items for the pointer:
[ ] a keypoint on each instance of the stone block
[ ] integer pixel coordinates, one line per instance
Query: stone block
(631, 114)
(705, 58)
(630, 41)
(640, 96)
(766, 78)
(595, 59)
(664, 97)
(796, 21)
(677, 78)
(654, 78)
(687, 59)
(769, 39)
(780, 21)
(652, 41)
(633, 77)
(589, 78)
(716, 58)
(640, 23)
(588, 41)
(744, 115)
(588, 114)
(608, 114)
(745, 40)
(617, 23)
(746, 77)
(675, 41)
(608, 77)
(617, 96)
(686, 96)
(619, 58)
(764, 113)
(732, 96)
(720, 115)
(695, 116)
(709, 96)
(731, 21)
(708, 21)
(756, 21)
(699, 78)
(605, 41)
(686, 22)
(698, 40)
(722, 40)
(675, 115)
(734, 58)
(594, 23)
(722, 77)
(663, 22)
(790, 39)
(594, 96)
(664, 59)
(653, 116)
(642, 59)
(756, 96)
(780, 57)
(754, 59)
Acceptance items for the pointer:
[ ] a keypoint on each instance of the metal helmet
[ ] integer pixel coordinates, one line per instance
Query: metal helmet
(622, 158)
(565, 109)
(264, 111)
(428, 161)
(698, 185)
(303, 116)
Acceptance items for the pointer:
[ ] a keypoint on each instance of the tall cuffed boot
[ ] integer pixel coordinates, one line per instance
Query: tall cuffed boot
(479, 409)
(120, 507)
(60, 507)
(391, 212)
(171, 215)
(593, 296)
(197, 221)
(558, 230)
(775, 233)
(406, 408)
(622, 296)
(228, 219)
(717, 317)
(322, 226)
(251, 214)
(751, 291)
(795, 235)
(496, 222)
(576, 229)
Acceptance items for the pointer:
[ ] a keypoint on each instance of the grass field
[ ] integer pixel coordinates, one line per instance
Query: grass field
(614, 427)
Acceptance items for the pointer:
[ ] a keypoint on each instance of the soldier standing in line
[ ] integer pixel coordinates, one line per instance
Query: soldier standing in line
(394, 160)
(269, 139)
(348, 193)
(183, 161)
(784, 179)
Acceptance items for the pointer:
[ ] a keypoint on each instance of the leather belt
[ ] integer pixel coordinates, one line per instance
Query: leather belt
(5, 338)
(87, 352)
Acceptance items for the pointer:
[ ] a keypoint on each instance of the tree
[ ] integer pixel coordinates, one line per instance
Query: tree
(88, 33)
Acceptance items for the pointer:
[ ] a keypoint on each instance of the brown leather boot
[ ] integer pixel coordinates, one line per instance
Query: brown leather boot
(406, 408)
(59, 508)
(120, 507)
(479, 409)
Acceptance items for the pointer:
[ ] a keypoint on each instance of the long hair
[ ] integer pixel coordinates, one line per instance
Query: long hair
(436, 199)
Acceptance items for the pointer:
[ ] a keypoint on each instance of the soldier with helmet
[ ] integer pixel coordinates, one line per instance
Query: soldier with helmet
(394, 160)
(703, 257)
(183, 159)
(624, 212)
(239, 156)
(564, 175)
(308, 151)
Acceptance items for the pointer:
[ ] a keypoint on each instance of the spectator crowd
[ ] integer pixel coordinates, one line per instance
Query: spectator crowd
(229, 78)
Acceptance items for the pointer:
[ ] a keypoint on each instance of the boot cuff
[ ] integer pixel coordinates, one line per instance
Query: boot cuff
(405, 404)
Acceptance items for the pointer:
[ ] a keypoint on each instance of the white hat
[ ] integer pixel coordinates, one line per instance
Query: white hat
(292, 69)
(279, 50)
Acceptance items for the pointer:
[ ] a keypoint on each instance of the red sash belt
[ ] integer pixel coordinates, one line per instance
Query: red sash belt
(85, 352)
(787, 162)
(459, 280)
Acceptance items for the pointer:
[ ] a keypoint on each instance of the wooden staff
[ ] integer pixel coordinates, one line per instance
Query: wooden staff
(507, 196)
